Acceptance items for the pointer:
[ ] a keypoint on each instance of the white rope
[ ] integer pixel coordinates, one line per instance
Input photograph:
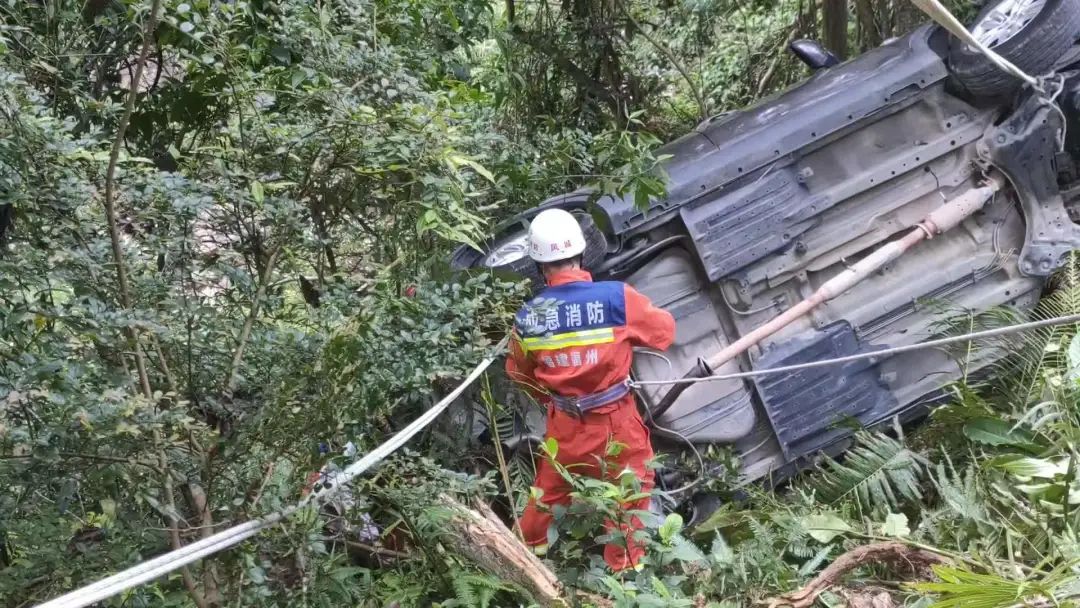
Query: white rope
(977, 335)
(174, 560)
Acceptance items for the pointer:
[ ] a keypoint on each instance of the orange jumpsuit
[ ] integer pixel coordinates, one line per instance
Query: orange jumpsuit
(573, 339)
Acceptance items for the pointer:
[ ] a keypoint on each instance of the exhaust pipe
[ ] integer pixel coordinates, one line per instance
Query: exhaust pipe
(940, 220)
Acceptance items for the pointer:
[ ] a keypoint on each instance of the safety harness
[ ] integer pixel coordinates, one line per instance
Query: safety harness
(579, 406)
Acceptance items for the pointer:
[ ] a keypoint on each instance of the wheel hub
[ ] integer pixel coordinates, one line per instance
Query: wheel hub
(1006, 20)
(508, 251)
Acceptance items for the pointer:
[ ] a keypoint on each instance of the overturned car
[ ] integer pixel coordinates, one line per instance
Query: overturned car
(766, 204)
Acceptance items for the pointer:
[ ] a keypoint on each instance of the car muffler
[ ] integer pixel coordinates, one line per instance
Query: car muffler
(940, 220)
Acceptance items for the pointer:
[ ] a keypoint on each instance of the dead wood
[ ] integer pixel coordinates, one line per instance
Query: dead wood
(379, 552)
(480, 536)
(909, 561)
(868, 598)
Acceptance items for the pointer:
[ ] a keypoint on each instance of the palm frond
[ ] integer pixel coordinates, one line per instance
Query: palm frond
(958, 588)
(793, 534)
(1021, 377)
(879, 473)
(506, 422)
(1018, 362)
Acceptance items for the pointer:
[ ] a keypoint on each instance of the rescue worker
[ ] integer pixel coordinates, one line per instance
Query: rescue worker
(571, 347)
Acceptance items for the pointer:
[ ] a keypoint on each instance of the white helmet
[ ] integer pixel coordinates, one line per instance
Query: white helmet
(555, 235)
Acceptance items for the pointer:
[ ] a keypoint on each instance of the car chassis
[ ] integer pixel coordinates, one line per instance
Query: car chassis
(765, 204)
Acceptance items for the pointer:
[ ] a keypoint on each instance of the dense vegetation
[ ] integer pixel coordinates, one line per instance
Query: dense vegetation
(223, 265)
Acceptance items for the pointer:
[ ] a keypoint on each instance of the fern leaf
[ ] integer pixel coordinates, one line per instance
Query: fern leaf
(960, 492)
(463, 590)
(879, 473)
(475, 590)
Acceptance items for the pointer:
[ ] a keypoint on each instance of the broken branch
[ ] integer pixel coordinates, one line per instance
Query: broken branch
(900, 556)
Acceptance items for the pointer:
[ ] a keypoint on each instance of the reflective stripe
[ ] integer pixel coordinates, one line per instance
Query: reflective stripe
(587, 337)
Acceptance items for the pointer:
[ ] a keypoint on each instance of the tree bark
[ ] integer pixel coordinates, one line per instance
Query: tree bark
(916, 562)
(808, 19)
(174, 531)
(866, 16)
(318, 219)
(249, 322)
(199, 505)
(834, 26)
(479, 535)
(906, 17)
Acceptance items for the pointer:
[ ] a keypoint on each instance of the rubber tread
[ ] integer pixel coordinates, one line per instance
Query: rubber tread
(1034, 50)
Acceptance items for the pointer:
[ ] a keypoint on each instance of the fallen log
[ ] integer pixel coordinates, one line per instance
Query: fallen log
(482, 538)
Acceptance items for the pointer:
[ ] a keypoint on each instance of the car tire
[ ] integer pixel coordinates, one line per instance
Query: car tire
(467, 258)
(1034, 49)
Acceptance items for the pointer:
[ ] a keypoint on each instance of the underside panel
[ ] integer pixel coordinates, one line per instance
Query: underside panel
(785, 213)
(742, 142)
(750, 223)
(808, 407)
(714, 412)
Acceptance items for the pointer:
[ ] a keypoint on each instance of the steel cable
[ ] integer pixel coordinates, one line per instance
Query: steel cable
(877, 354)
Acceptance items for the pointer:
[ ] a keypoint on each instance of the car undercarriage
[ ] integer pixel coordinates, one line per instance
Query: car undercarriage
(764, 205)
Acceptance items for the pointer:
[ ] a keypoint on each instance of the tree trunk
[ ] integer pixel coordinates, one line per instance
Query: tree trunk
(318, 219)
(834, 26)
(198, 503)
(906, 18)
(867, 18)
(808, 20)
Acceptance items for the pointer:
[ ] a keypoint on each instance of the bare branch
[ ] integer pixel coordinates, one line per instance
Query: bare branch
(149, 26)
(914, 561)
(249, 322)
(763, 84)
(703, 106)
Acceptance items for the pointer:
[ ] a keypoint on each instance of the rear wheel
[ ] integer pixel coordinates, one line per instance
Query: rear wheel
(508, 251)
(1032, 34)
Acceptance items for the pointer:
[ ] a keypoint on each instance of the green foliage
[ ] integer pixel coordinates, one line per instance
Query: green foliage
(474, 591)
(878, 473)
(960, 588)
(600, 513)
(383, 364)
(757, 553)
(824, 527)
(290, 171)
(293, 175)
